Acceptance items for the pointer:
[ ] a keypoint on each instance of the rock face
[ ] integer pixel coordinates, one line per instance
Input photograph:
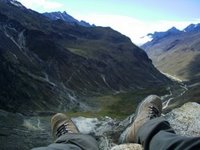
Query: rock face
(51, 65)
(176, 52)
(185, 120)
(129, 146)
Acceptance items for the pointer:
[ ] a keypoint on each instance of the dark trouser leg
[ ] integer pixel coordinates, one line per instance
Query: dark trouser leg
(72, 142)
(157, 134)
(85, 142)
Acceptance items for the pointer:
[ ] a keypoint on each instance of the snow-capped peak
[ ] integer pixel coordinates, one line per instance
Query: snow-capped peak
(16, 3)
(192, 28)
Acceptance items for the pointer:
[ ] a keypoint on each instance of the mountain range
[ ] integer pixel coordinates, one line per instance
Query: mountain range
(176, 52)
(174, 31)
(53, 65)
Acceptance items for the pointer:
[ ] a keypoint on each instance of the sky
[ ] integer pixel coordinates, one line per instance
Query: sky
(133, 18)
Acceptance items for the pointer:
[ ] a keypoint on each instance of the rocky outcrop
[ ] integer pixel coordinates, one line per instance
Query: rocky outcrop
(28, 132)
(186, 119)
(129, 146)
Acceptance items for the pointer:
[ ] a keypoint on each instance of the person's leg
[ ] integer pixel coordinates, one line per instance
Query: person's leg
(157, 134)
(83, 141)
(153, 131)
(67, 136)
(149, 108)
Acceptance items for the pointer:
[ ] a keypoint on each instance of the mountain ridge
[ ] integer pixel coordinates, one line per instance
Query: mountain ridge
(66, 17)
(52, 65)
(172, 31)
(192, 28)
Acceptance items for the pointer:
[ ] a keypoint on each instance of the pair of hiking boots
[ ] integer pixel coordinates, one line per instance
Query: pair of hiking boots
(149, 108)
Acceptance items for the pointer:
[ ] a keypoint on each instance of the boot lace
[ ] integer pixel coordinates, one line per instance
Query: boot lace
(153, 112)
(63, 129)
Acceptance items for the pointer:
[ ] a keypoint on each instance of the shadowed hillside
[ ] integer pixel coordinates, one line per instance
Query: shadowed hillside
(51, 65)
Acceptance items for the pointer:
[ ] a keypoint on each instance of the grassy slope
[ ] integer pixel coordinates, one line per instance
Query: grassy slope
(119, 105)
(177, 64)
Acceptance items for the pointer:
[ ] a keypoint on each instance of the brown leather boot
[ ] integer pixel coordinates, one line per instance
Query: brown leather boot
(149, 108)
(61, 124)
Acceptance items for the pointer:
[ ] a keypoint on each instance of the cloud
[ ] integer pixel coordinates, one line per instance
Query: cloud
(42, 4)
(134, 28)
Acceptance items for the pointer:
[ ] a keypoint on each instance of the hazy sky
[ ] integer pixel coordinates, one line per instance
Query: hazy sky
(134, 18)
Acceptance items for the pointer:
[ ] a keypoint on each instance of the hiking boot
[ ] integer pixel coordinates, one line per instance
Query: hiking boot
(61, 124)
(149, 108)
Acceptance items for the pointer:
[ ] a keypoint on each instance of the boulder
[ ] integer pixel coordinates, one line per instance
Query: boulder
(186, 119)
